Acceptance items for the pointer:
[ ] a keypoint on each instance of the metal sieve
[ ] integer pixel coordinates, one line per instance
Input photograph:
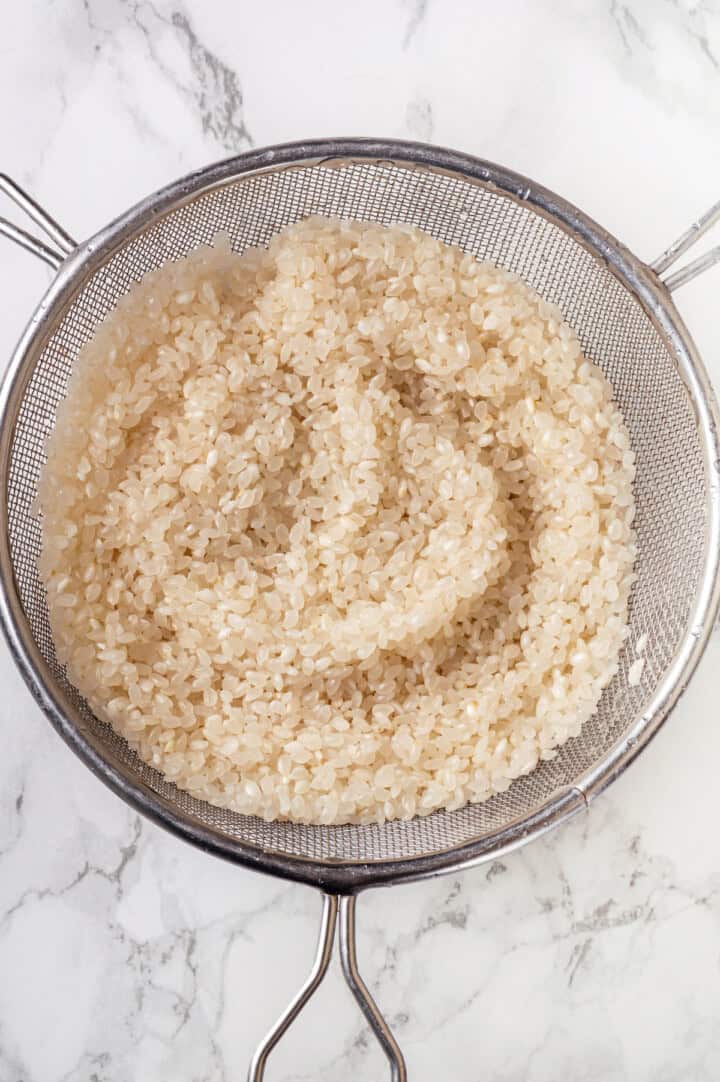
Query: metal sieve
(627, 323)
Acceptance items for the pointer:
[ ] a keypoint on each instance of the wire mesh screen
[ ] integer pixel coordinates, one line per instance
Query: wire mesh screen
(615, 333)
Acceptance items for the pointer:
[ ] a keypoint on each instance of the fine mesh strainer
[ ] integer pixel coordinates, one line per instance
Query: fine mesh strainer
(627, 323)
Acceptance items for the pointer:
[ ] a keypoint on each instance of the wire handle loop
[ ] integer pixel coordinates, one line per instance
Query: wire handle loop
(62, 243)
(682, 245)
(333, 907)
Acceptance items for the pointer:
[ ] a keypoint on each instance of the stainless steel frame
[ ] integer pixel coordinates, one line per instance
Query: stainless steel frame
(74, 263)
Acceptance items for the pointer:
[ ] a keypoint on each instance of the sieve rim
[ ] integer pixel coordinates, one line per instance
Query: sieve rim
(636, 277)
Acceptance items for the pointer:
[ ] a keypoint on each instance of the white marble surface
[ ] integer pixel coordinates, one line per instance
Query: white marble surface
(592, 956)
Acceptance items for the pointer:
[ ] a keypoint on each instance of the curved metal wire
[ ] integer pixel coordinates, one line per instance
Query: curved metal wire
(683, 243)
(348, 960)
(692, 270)
(64, 243)
(31, 244)
(314, 979)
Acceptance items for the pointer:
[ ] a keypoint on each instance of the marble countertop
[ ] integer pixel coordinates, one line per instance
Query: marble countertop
(592, 955)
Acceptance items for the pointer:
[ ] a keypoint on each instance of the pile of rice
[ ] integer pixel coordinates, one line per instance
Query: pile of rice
(341, 530)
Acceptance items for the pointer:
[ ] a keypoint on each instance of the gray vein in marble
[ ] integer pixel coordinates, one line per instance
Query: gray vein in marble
(496, 868)
(449, 912)
(147, 959)
(144, 959)
(234, 935)
(34, 895)
(417, 15)
(97, 1062)
(419, 119)
(581, 929)
(627, 25)
(184, 1004)
(704, 44)
(697, 35)
(219, 94)
(114, 876)
(649, 57)
(461, 1008)
(15, 821)
(95, 26)
(11, 1069)
(105, 45)
(577, 959)
(60, 100)
(214, 89)
(609, 916)
(127, 853)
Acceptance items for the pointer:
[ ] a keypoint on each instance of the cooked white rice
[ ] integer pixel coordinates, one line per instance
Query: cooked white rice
(339, 531)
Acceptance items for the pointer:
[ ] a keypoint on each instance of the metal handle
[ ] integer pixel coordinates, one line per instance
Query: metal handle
(345, 907)
(64, 243)
(681, 245)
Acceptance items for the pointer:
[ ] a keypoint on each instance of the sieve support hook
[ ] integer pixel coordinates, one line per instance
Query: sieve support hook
(682, 245)
(62, 243)
(334, 907)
